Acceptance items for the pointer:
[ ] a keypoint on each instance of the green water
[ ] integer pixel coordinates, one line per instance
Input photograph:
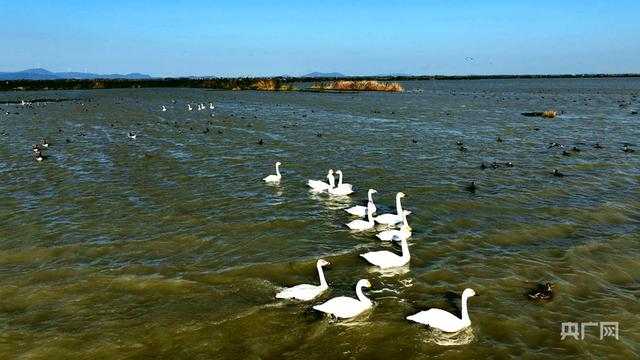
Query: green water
(171, 246)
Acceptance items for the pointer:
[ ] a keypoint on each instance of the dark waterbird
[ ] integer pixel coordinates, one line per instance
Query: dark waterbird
(627, 149)
(495, 165)
(557, 173)
(509, 164)
(542, 292)
(598, 146)
(499, 139)
(483, 166)
(462, 149)
(471, 188)
(575, 149)
(261, 142)
(40, 157)
(565, 153)
(459, 143)
(555, 144)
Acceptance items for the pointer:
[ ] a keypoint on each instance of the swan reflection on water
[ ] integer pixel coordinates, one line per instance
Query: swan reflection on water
(442, 338)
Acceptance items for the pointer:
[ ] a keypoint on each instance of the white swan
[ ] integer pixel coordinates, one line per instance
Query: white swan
(211, 106)
(277, 176)
(397, 235)
(319, 185)
(360, 210)
(306, 292)
(445, 320)
(386, 259)
(361, 224)
(341, 189)
(346, 307)
(132, 136)
(164, 108)
(189, 107)
(392, 219)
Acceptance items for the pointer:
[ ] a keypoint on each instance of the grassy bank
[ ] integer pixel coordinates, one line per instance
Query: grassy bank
(362, 85)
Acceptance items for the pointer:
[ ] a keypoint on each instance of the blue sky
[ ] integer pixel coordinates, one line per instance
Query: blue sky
(262, 38)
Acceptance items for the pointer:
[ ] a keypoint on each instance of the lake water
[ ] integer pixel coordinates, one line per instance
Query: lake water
(171, 246)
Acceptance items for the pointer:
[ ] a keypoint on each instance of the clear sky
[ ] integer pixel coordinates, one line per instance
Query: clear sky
(262, 38)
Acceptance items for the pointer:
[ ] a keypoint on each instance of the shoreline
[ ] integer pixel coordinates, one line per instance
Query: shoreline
(279, 83)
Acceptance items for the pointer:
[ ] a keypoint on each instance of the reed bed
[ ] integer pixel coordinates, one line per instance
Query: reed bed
(362, 85)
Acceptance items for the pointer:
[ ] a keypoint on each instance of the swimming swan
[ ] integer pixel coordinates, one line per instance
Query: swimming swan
(445, 320)
(319, 185)
(346, 307)
(306, 292)
(361, 224)
(276, 177)
(386, 259)
(341, 188)
(397, 235)
(360, 210)
(392, 219)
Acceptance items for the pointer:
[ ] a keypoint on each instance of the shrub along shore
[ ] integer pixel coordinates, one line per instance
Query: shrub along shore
(380, 83)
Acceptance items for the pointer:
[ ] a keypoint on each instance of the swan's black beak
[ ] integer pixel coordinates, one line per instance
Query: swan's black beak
(477, 294)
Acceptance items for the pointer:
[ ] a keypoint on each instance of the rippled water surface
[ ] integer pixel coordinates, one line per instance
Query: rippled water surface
(171, 245)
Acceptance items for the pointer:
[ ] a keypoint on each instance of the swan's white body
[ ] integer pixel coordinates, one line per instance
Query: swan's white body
(319, 185)
(392, 219)
(360, 210)
(277, 176)
(189, 107)
(164, 108)
(397, 235)
(346, 307)
(211, 106)
(306, 292)
(341, 188)
(386, 259)
(361, 224)
(445, 320)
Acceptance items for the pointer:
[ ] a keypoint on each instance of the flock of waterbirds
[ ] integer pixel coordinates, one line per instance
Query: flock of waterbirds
(345, 307)
(348, 307)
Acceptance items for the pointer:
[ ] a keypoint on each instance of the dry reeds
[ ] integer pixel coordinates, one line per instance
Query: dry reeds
(362, 85)
(549, 114)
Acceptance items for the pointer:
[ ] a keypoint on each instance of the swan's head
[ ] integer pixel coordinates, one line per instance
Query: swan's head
(339, 172)
(469, 292)
(364, 283)
(330, 172)
(372, 191)
(278, 163)
(401, 194)
(323, 262)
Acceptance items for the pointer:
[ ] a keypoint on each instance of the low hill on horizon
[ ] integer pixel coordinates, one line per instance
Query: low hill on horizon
(44, 74)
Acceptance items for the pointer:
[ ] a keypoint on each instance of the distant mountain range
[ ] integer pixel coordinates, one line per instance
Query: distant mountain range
(43, 74)
(316, 74)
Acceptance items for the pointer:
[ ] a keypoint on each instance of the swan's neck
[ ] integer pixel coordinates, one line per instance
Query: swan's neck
(278, 170)
(465, 313)
(370, 198)
(332, 181)
(363, 299)
(405, 249)
(340, 180)
(323, 282)
(399, 206)
(369, 214)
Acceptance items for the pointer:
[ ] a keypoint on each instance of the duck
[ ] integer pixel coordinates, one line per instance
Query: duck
(598, 146)
(459, 143)
(499, 139)
(360, 210)
(341, 188)
(392, 219)
(462, 149)
(261, 142)
(444, 320)
(131, 135)
(565, 153)
(45, 144)
(386, 259)
(542, 292)
(397, 235)
(362, 224)
(555, 144)
(627, 149)
(509, 164)
(40, 157)
(35, 148)
(306, 292)
(472, 187)
(319, 185)
(575, 149)
(495, 165)
(483, 166)
(557, 173)
(346, 307)
(277, 176)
